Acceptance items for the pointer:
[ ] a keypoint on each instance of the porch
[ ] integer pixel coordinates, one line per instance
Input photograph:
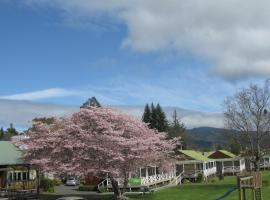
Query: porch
(147, 177)
(192, 169)
(230, 166)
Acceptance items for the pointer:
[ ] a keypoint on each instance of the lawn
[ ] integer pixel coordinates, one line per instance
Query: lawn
(204, 191)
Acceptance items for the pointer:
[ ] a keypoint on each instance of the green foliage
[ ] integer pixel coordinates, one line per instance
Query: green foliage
(155, 117)
(47, 184)
(2, 133)
(161, 121)
(205, 191)
(134, 181)
(235, 147)
(147, 114)
(102, 189)
(199, 178)
(186, 181)
(87, 188)
(265, 183)
(57, 182)
(176, 128)
(6, 135)
(51, 190)
(44, 120)
(12, 131)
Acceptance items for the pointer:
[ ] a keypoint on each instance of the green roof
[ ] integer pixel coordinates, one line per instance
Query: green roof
(195, 155)
(206, 154)
(10, 154)
(227, 153)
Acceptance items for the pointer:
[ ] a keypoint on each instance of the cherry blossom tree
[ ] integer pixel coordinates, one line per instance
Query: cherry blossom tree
(99, 141)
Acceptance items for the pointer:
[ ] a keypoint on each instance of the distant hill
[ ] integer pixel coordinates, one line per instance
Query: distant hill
(205, 137)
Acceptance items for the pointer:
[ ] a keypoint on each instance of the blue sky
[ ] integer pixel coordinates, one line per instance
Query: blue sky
(66, 51)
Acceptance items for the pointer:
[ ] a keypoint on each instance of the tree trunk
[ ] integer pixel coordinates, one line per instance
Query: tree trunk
(116, 190)
(257, 164)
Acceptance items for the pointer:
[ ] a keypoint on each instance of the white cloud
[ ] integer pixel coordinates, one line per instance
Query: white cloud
(232, 35)
(42, 94)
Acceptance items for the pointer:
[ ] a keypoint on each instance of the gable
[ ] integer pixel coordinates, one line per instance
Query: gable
(193, 155)
(220, 154)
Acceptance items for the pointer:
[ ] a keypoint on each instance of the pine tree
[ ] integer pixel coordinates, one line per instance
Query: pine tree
(2, 133)
(161, 121)
(11, 131)
(176, 128)
(147, 115)
(155, 117)
(153, 122)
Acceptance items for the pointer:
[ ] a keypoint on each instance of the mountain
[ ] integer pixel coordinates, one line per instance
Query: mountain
(205, 137)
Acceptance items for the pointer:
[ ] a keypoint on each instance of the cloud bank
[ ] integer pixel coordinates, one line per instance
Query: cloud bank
(42, 94)
(231, 35)
(21, 113)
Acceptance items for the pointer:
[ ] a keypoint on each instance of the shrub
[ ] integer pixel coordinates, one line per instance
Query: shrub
(199, 178)
(57, 182)
(185, 181)
(265, 183)
(134, 181)
(87, 188)
(102, 189)
(47, 185)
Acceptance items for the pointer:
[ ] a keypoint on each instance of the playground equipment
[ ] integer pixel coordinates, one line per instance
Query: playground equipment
(252, 182)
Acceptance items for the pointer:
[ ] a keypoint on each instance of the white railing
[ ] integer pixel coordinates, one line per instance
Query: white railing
(145, 181)
(210, 171)
(105, 183)
(231, 169)
(157, 178)
(178, 179)
(264, 165)
(192, 173)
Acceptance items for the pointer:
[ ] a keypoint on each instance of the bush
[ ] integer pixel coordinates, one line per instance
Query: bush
(57, 182)
(47, 185)
(199, 178)
(102, 189)
(265, 183)
(134, 181)
(185, 181)
(88, 188)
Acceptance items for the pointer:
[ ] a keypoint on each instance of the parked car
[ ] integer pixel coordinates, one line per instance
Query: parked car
(72, 181)
(71, 198)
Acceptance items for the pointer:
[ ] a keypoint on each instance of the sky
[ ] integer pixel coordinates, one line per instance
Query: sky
(191, 54)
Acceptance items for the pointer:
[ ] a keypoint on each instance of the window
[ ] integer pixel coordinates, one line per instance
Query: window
(25, 176)
(19, 176)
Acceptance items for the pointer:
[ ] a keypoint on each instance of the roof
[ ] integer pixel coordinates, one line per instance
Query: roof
(195, 155)
(206, 154)
(227, 153)
(10, 154)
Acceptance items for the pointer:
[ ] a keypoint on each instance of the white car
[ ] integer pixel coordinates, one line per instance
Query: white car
(71, 198)
(72, 181)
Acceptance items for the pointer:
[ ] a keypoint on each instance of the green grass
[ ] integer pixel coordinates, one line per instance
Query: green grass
(203, 191)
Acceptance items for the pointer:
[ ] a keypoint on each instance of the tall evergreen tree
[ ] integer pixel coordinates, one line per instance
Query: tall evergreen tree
(11, 131)
(176, 128)
(155, 117)
(147, 114)
(161, 121)
(2, 133)
(153, 122)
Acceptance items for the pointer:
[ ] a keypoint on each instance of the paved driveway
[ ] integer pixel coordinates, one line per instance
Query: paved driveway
(63, 190)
